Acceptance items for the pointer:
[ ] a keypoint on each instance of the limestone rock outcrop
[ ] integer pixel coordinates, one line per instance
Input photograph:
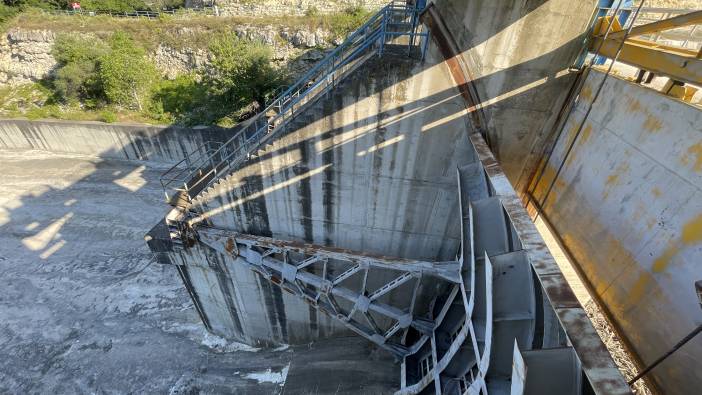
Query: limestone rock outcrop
(25, 55)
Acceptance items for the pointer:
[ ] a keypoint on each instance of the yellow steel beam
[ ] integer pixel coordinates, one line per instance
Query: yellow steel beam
(679, 64)
(692, 18)
(661, 47)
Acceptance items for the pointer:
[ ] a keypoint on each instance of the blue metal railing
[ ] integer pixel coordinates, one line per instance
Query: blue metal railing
(202, 167)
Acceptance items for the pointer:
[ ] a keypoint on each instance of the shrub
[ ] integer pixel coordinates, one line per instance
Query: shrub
(178, 99)
(108, 116)
(352, 18)
(7, 13)
(312, 11)
(167, 4)
(180, 95)
(240, 71)
(126, 74)
(45, 4)
(78, 59)
(114, 5)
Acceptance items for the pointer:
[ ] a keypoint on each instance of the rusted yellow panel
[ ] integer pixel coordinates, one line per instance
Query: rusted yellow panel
(696, 151)
(682, 92)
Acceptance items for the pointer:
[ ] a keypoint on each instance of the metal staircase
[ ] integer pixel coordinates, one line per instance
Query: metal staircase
(396, 24)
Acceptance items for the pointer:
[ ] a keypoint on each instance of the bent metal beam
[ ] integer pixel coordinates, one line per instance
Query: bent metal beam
(296, 268)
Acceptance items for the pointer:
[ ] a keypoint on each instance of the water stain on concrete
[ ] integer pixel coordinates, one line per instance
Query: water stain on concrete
(652, 124)
(694, 154)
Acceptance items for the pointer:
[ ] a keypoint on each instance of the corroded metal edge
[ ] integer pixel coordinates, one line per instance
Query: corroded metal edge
(597, 363)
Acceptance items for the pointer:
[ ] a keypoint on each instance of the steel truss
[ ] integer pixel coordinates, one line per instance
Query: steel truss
(359, 290)
(437, 317)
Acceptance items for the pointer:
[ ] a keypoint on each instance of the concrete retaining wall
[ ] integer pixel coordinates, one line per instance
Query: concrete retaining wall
(371, 167)
(167, 144)
(517, 54)
(628, 207)
(239, 304)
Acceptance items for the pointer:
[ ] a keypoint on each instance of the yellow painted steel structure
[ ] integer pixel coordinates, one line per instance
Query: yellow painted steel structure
(678, 63)
(692, 18)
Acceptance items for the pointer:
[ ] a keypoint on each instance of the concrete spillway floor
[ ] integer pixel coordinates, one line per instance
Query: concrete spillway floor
(84, 310)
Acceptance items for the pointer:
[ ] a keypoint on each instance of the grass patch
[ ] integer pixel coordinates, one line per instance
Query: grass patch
(191, 31)
(83, 87)
(36, 101)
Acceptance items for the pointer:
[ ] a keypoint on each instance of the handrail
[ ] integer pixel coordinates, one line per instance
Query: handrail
(209, 11)
(373, 33)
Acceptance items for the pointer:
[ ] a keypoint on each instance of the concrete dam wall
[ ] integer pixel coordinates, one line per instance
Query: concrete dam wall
(516, 55)
(369, 167)
(165, 144)
(627, 206)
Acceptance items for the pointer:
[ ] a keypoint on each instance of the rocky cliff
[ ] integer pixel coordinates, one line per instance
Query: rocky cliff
(284, 7)
(25, 55)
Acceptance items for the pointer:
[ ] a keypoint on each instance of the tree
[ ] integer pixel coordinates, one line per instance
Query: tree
(77, 57)
(36, 3)
(126, 74)
(240, 71)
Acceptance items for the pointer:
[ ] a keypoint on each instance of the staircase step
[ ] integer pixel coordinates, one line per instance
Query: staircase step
(309, 109)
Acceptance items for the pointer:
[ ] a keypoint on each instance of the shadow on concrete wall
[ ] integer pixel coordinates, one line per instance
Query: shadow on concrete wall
(79, 282)
(520, 52)
(309, 155)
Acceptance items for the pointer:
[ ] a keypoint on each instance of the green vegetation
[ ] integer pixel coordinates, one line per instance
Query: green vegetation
(182, 99)
(127, 76)
(102, 75)
(113, 79)
(76, 77)
(45, 4)
(98, 5)
(7, 13)
(241, 71)
(113, 5)
(344, 22)
(152, 32)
